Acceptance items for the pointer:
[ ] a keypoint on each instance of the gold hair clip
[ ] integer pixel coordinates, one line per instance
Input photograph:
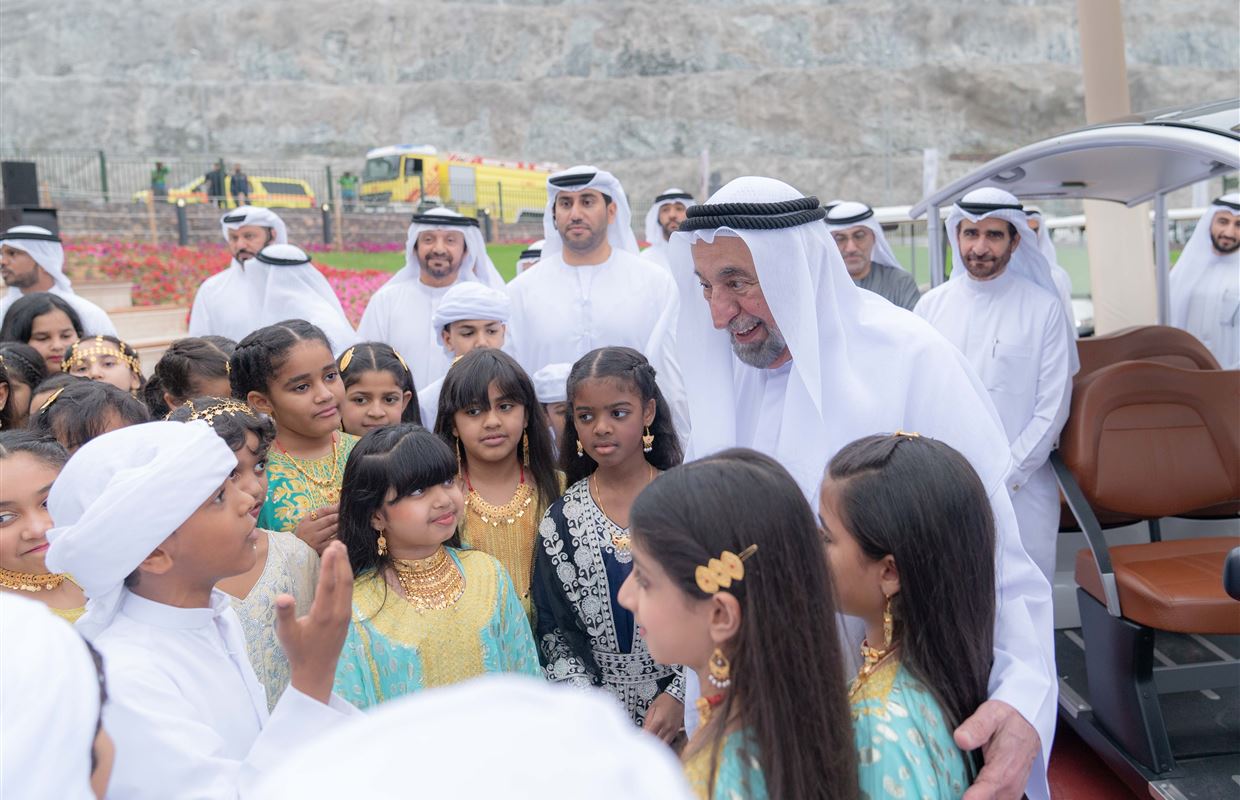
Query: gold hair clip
(51, 399)
(720, 572)
(907, 434)
(402, 361)
(227, 367)
(87, 351)
(346, 359)
(214, 410)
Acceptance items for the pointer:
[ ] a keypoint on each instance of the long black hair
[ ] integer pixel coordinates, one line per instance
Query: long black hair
(82, 410)
(182, 368)
(230, 425)
(630, 368)
(919, 501)
(260, 355)
(468, 385)
(788, 682)
(39, 445)
(379, 357)
(19, 319)
(404, 457)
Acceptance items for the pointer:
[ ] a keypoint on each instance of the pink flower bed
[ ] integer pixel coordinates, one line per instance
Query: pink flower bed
(165, 274)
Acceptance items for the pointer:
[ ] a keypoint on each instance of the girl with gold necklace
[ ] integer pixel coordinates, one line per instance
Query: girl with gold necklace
(29, 463)
(618, 437)
(489, 413)
(287, 372)
(425, 612)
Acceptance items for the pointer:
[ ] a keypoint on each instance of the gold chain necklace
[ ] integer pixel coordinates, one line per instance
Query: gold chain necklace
(508, 513)
(430, 584)
(871, 658)
(30, 581)
(619, 540)
(330, 480)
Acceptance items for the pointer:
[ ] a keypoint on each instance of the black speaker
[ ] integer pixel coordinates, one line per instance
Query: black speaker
(11, 217)
(21, 183)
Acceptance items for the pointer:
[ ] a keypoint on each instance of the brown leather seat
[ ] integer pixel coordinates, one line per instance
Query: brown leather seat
(1170, 586)
(1159, 343)
(1150, 441)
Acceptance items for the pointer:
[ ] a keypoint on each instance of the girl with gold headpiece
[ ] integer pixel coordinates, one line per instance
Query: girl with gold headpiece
(488, 412)
(911, 542)
(425, 612)
(729, 580)
(378, 388)
(29, 463)
(287, 372)
(283, 563)
(108, 359)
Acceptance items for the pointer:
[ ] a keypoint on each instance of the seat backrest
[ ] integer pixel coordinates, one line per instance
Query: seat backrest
(1152, 441)
(1161, 343)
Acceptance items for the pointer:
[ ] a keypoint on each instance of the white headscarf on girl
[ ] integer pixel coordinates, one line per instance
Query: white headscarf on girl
(123, 494)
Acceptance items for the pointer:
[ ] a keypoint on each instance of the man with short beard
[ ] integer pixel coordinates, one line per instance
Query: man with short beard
(591, 289)
(1001, 308)
(662, 220)
(871, 263)
(1205, 284)
(223, 305)
(32, 259)
(442, 249)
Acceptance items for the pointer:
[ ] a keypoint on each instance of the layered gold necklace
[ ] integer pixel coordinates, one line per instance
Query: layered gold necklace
(430, 584)
(325, 490)
(30, 581)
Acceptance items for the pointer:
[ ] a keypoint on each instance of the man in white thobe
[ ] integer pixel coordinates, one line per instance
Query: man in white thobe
(32, 259)
(223, 304)
(287, 286)
(870, 261)
(662, 220)
(529, 256)
(591, 289)
(442, 248)
(1063, 281)
(1002, 310)
(1205, 284)
(470, 316)
(787, 355)
(187, 714)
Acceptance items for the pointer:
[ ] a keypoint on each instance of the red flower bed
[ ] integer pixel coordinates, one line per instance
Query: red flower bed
(162, 274)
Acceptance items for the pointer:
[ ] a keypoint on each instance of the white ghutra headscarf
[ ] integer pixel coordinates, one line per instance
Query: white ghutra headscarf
(848, 214)
(654, 231)
(1198, 255)
(475, 266)
(284, 284)
(576, 179)
(44, 247)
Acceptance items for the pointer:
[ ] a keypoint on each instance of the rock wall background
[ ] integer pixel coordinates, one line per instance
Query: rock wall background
(838, 98)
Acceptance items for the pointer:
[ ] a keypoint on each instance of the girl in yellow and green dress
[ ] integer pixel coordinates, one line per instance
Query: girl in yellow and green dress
(729, 579)
(911, 541)
(426, 613)
(287, 372)
(489, 413)
(29, 463)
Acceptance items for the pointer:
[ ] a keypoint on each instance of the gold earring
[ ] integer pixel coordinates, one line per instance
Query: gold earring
(889, 625)
(382, 545)
(647, 441)
(525, 449)
(580, 452)
(720, 670)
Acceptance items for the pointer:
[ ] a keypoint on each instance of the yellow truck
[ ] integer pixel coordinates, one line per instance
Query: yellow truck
(417, 175)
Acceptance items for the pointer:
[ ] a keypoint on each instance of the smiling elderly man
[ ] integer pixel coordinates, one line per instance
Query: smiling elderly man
(783, 353)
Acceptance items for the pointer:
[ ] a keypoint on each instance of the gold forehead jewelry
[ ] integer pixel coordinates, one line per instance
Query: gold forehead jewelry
(214, 410)
(87, 351)
(51, 399)
(346, 359)
(719, 573)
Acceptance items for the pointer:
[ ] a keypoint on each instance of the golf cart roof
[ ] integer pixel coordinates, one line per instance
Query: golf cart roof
(1127, 161)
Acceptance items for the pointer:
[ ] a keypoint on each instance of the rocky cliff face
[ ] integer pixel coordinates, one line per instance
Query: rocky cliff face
(838, 98)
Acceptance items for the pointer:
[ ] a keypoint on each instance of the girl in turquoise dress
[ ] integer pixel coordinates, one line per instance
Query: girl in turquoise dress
(911, 542)
(425, 612)
(287, 372)
(729, 580)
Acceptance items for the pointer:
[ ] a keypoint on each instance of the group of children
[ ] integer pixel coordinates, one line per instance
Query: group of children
(292, 544)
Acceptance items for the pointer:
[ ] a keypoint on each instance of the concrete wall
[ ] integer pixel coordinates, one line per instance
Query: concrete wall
(838, 98)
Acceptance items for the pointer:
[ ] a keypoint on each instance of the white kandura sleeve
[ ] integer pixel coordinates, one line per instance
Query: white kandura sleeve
(1033, 445)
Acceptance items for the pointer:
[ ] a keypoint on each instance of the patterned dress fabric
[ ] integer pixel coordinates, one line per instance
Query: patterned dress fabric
(738, 775)
(291, 496)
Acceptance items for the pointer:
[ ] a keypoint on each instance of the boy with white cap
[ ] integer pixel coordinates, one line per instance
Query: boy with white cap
(185, 707)
(471, 315)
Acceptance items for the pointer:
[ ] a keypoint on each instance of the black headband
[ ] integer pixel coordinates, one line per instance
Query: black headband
(231, 218)
(529, 254)
(753, 216)
(30, 235)
(864, 215)
(443, 219)
(276, 261)
(986, 208)
(673, 196)
(1218, 202)
(572, 179)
